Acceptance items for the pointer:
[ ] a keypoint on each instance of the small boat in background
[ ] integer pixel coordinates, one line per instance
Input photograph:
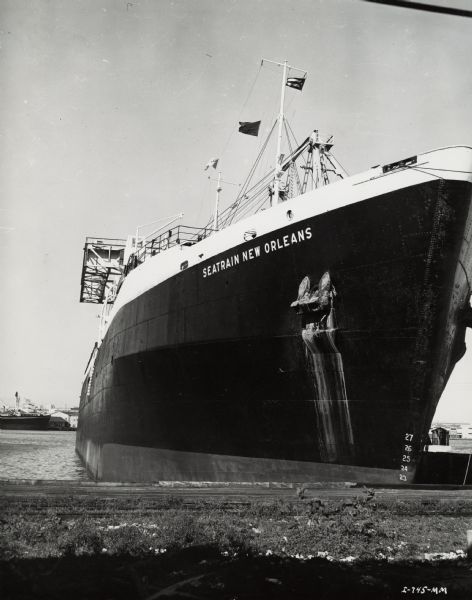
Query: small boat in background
(27, 418)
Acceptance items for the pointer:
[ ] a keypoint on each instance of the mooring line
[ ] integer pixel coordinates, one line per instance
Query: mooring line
(467, 470)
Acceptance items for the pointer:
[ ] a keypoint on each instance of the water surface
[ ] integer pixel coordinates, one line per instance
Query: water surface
(39, 455)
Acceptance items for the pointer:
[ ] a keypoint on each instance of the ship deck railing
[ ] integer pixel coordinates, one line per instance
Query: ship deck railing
(181, 235)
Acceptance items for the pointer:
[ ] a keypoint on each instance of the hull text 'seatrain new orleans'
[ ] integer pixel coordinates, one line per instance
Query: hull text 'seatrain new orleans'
(308, 341)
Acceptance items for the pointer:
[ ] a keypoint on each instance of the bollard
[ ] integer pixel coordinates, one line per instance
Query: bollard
(469, 543)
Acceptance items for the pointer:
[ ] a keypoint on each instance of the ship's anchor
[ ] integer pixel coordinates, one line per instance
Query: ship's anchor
(315, 300)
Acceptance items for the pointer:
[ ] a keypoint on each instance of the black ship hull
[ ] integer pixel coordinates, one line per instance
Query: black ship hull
(25, 422)
(223, 372)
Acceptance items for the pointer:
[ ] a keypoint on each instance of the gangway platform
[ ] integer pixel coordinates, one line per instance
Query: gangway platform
(101, 269)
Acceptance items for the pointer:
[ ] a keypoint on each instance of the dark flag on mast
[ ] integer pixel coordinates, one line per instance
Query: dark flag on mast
(249, 128)
(296, 83)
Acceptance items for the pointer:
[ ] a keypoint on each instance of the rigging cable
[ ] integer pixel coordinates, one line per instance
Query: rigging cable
(241, 110)
(334, 158)
(295, 170)
(305, 160)
(236, 206)
(328, 157)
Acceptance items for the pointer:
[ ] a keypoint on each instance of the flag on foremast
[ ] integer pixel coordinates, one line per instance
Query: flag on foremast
(296, 83)
(249, 128)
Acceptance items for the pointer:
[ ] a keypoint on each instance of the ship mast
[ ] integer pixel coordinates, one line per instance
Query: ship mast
(216, 214)
(278, 156)
(217, 202)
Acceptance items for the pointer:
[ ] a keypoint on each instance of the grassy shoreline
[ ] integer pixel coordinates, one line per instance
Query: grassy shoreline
(362, 541)
(361, 528)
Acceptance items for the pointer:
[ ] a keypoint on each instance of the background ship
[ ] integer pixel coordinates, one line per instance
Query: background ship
(308, 341)
(28, 417)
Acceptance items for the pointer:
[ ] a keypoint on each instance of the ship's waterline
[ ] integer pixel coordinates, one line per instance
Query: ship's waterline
(135, 464)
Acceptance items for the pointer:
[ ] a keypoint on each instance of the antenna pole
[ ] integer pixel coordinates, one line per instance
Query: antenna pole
(278, 161)
(217, 202)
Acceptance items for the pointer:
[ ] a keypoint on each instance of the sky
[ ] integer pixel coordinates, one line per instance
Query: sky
(110, 110)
